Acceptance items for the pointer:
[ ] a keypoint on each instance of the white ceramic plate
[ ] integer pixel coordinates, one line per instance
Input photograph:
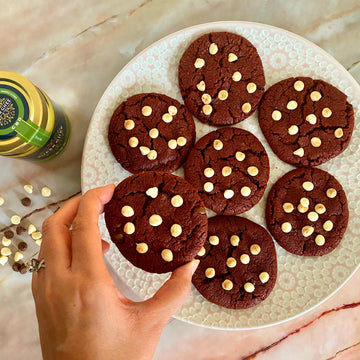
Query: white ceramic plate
(303, 282)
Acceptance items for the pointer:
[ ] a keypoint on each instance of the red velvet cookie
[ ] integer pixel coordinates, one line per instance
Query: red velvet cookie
(151, 132)
(221, 78)
(306, 212)
(306, 122)
(238, 265)
(230, 169)
(157, 221)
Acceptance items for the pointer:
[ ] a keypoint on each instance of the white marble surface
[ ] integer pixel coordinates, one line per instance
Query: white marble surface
(72, 50)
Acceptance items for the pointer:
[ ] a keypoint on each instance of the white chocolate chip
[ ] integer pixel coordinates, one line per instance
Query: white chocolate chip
(144, 150)
(299, 152)
(288, 207)
(286, 227)
(244, 259)
(228, 194)
(210, 273)
(202, 251)
(319, 240)
(302, 209)
(213, 49)
(276, 115)
(311, 119)
(146, 110)
(5, 241)
(172, 144)
(154, 133)
(234, 240)
(331, 193)
(133, 142)
(155, 220)
(299, 85)
(326, 112)
(223, 95)
(240, 156)
(201, 85)
(251, 87)
(308, 185)
(3, 260)
(2, 201)
(15, 219)
(209, 172)
(5, 251)
(232, 57)
(339, 133)
(36, 235)
(264, 277)
(167, 118)
(208, 186)
(227, 284)
(45, 191)
(252, 170)
(230, 262)
(152, 155)
(315, 96)
(255, 249)
(152, 192)
(181, 141)
(292, 105)
(38, 242)
(214, 240)
(175, 230)
(129, 124)
(328, 225)
(18, 256)
(293, 130)
(245, 191)
(246, 107)
(172, 110)
(206, 98)
(31, 229)
(320, 208)
(226, 171)
(28, 188)
(236, 76)
(305, 202)
(217, 144)
(142, 248)
(127, 211)
(313, 216)
(207, 109)
(177, 201)
(199, 63)
(167, 255)
(307, 230)
(315, 141)
(249, 287)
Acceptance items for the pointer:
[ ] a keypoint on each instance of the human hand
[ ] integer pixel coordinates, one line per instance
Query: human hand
(81, 314)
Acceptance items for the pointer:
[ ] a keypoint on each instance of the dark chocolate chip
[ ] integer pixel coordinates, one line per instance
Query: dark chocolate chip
(26, 201)
(9, 234)
(22, 269)
(22, 246)
(16, 266)
(20, 230)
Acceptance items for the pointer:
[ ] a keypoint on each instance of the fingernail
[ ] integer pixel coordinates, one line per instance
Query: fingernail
(194, 264)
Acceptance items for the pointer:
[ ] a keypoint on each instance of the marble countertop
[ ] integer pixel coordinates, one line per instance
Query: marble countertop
(72, 50)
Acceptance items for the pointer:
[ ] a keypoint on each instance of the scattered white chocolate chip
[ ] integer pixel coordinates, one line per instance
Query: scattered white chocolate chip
(246, 107)
(226, 171)
(3, 260)
(206, 98)
(167, 118)
(236, 76)
(217, 144)
(230, 262)
(240, 156)
(311, 119)
(288, 207)
(252, 170)
(214, 240)
(299, 152)
(202, 251)
(228, 194)
(320, 208)
(223, 95)
(249, 287)
(133, 142)
(181, 141)
(45, 191)
(18, 256)
(142, 248)
(28, 188)
(144, 150)
(172, 144)
(208, 186)
(207, 109)
(276, 115)
(38, 242)
(244, 259)
(15, 219)
(154, 133)
(177, 201)
(172, 109)
(328, 225)
(313, 216)
(129, 228)
(307, 230)
(152, 155)
(331, 193)
(129, 124)
(255, 249)
(155, 220)
(36, 235)
(127, 211)
(209, 172)
(292, 105)
(315, 96)
(227, 284)
(302, 209)
(213, 49)
(305, 202)
(175, 230)
(232, 57)
(251, 87)
(199, 63)
(308, 185)
(201, 85)
(315, 141)
(339, 133)
(210, 273)
(264, 277)
(319, 240)
(234, 240)
(5, 251)
(326, 112)
(286, 227)
(5, 241)
(299, 85)
(2, 201)
(146, 110)
(152, 192)
(245, 191)
(293, 130)
(167, 255)
(31, 229)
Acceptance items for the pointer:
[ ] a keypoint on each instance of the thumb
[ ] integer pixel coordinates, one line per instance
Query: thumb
(169, 298)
